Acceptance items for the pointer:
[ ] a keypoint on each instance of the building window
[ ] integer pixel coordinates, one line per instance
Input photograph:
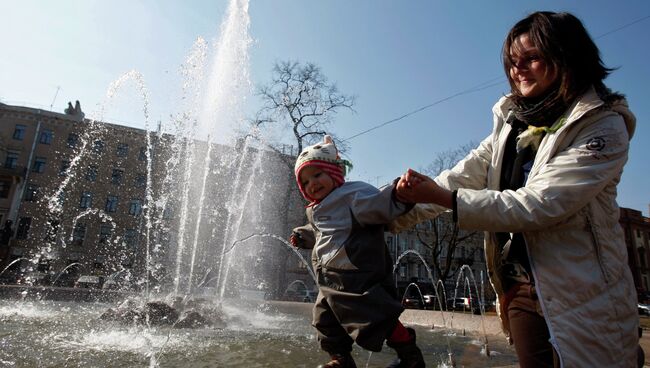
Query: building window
(5, 186)
(111, 204)
(105, 232)
(39, 165)
(122, 150)
(73, 140)
(78, 234)
(99, 262)
(31, 193)
(65, 167)
(642, 260)
(19, 132)
(23, 227)
(141, 181)
(135, 207)
(46, 137)
(86, 200)
(116, 177)
(98, 265)
(142, 156)
(98, 146)
(12, 160)
(131, 238)
(91, 173)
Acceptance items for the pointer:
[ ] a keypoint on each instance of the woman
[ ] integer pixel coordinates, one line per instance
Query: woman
(543, 187)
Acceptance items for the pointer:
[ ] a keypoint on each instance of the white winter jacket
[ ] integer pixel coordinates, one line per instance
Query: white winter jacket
(568, 215)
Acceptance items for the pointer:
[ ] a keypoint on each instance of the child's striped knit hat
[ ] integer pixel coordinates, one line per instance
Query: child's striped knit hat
(324, 156)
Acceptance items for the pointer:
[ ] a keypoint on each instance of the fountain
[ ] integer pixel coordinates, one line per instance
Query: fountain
(226, 236)
(14, 262)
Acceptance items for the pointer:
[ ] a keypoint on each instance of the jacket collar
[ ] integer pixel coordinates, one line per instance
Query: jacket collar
(585, 103)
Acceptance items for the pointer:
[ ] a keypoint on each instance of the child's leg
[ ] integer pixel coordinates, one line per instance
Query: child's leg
(402, 339)
(399, 334)
(332, 337)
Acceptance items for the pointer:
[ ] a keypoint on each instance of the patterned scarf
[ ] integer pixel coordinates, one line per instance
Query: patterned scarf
(540, 115)
(539, 112)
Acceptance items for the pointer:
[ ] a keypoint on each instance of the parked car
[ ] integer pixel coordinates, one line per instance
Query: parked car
(431, 302)
(89, 282)
(305, 296)
(490, 305)
(457, 304)
(644, 309)
(110, 285)
(464, 304)
(412, 302)
(35, 278)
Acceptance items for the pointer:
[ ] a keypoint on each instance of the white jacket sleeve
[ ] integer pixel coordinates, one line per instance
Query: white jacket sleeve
(559, 188)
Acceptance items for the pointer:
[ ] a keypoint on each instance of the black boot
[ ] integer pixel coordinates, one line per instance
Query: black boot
(408, 354)
(339, 361)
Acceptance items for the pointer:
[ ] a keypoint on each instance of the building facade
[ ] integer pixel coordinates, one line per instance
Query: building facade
(99, 199)
(71, 192)
(637, 238)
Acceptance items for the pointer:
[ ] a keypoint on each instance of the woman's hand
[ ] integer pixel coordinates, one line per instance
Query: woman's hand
(414, 187)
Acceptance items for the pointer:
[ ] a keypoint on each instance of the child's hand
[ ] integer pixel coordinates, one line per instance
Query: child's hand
(401, 188)
(414, 187)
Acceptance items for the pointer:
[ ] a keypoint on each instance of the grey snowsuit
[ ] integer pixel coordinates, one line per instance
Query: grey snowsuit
(357, 300)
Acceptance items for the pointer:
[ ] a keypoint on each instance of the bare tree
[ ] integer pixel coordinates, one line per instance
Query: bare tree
(301, 98)
(442, 234)
(447, 159)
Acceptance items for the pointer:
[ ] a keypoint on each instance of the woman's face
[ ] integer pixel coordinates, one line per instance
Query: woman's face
(531, 75)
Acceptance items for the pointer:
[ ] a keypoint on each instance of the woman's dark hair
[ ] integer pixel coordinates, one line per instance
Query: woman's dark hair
(565, 45)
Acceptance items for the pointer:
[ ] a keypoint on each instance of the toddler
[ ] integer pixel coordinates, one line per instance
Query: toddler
(357, 299)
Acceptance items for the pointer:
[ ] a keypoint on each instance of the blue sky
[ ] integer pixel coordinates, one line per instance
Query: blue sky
(395, 56)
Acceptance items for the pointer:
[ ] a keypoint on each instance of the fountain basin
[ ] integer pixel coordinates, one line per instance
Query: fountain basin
(37, 333)
(29, 292)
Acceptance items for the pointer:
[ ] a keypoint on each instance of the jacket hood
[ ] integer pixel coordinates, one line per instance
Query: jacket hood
(623, 109)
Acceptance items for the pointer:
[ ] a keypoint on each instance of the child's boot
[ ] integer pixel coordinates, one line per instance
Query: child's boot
(340, 361)
(408, 353)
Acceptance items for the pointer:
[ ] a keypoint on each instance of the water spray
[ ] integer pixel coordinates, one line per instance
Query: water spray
(283, 241)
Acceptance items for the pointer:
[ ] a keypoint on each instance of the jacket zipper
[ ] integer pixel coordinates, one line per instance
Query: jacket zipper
(596, 244)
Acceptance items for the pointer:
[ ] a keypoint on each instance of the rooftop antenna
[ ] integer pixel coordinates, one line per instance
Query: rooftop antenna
(54, 99)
